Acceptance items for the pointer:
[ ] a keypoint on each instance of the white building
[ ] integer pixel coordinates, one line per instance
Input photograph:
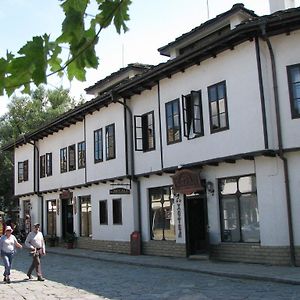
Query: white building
(200, 154)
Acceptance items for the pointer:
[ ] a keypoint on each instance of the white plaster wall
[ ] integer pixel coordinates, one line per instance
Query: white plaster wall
(25, 152)
(113, 114)
(146, 102)
(287, 52)
(53, 143)
(245, 134)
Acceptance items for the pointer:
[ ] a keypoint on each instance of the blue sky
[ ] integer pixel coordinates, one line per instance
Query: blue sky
(153, 24)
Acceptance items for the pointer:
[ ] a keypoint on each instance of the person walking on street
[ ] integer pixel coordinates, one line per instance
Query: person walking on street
(8, 245)
(36, 243)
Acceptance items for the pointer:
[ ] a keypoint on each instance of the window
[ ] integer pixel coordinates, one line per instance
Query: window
(48, 164)
(103, 212)
(294, 88)
(117, 211)
(63, 160)
(192, 115)
(144, 132)
(173, 122)
(81, 155)
(85, 216)
(42, 166)
(239, 209)
(162, 213)
(51, 217)
(110, 141)
(98, 145)
(72, 158)
(218, 107)
(23, 171)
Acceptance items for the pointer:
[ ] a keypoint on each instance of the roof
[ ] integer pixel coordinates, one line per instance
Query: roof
(280, 22)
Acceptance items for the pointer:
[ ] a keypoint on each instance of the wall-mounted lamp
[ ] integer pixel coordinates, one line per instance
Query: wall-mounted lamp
(210, 187)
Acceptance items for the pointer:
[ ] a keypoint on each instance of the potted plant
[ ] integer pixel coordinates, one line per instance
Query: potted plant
(52, 240)
(70, 239)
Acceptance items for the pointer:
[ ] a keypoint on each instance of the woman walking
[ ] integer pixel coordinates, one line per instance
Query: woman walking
(8, 245)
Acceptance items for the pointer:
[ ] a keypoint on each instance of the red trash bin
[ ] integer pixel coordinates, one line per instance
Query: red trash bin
(135, 243)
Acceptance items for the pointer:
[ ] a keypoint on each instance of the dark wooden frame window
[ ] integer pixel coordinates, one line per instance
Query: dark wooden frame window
(51, 217)
(85, 216)
(103, 213)
(173, 122)
(218, 112)
(161, 206)
(81, 155)
(63, 160)
(239, 209)
(48, 164)
(110, 141)
(192, 115)
(144, 132)
(42, 166)
(72, 157)
(293, 72)
(23, 171)
(117, 211)
(98, 145)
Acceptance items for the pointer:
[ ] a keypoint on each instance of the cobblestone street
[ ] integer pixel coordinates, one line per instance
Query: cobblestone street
(83, 278)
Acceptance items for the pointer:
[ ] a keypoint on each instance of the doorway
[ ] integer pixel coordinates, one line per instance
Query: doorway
(67, 217)
(197, 235)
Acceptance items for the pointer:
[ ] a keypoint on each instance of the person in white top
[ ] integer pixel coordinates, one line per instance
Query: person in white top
(36, 243)
(8, 245)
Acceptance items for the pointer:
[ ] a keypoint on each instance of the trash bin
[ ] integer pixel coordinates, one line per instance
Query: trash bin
(135, 243)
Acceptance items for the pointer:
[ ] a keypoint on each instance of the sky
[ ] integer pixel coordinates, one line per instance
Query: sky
(153, 24)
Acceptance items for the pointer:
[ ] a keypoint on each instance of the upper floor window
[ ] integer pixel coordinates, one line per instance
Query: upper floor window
(218, 107)
(48, 164)
(173, 122)
(117, 211)
(81, 155)
(110, 141)
(98, 145)
(23, 171)
(294, 88)
(144, 132)
(72, 158)
(63, 160)
(42, 166)
(192, 115)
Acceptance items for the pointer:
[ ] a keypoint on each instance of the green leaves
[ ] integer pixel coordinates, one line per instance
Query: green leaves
(42, 55)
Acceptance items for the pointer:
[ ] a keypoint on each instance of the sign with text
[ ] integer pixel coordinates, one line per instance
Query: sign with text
(119, 191)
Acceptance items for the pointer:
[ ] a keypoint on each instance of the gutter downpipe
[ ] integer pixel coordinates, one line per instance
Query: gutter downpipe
(132, 168)
(280, 146)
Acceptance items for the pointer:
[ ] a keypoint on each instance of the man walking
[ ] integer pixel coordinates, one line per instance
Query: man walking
(35, 241)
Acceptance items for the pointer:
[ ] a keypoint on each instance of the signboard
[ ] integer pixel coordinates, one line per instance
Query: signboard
(119, 191)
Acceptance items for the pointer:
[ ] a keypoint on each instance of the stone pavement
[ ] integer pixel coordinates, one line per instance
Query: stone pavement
(280, 274)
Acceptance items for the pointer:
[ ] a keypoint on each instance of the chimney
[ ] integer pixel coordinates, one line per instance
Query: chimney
(276, 5)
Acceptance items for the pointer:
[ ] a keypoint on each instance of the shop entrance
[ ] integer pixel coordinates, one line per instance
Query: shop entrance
(197, 235)
(67, 217)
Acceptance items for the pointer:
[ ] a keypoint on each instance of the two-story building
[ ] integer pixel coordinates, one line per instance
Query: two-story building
(197, 155)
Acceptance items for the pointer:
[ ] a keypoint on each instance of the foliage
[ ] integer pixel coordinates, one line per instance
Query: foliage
(26, 113)
(70, 237)
(42, 57)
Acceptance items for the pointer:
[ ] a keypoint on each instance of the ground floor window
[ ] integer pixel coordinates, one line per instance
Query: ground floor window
(117, 211)
(85, 216)
(51, 217)
(162, 213)
(239, 209)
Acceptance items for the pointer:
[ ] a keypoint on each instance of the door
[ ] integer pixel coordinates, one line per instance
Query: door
(67, 217)
(197, 235)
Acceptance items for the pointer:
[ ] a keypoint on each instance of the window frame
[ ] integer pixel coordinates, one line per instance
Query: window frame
(189, 119)
(217, 100)
(85, 200)
(23, 171)
(48, 164)
(117, 204)
(53, 215)
(105, 221)
(63, 155)
(72, 157)
(294, 113)
(42, 166)
(98, 145)
(141, 129)
(110, 141)
(81, 149)
(172, 103)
